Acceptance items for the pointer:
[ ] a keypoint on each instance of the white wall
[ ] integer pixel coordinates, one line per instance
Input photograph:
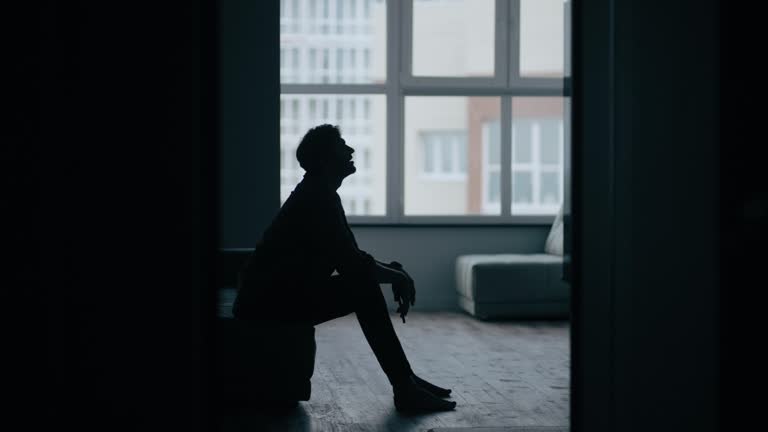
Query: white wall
(429, 253)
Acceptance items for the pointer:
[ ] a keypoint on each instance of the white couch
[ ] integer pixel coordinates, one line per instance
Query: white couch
(522, 286)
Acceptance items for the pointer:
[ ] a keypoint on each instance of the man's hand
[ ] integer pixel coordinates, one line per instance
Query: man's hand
(404, 290)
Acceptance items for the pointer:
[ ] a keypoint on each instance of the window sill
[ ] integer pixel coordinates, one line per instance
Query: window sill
(451, 221)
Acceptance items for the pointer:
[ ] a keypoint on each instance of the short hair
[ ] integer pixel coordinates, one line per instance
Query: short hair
(316, 145)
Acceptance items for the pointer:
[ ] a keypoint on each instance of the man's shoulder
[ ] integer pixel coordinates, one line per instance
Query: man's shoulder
(311, 199)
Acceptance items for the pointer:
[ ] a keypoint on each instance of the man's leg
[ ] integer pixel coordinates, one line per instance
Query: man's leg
(341, 296)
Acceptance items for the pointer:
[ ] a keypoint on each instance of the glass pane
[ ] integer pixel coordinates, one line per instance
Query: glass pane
(461, 153)
(332, 42)
(367, 135)
(447, 153)
(521, 141)
(550, 141)
(494, 191)
(446, 172)
(492, 133)
(542, 38)
(550, 188)
(522, 188)
(537, 149)
(429, 156)
(453, 38)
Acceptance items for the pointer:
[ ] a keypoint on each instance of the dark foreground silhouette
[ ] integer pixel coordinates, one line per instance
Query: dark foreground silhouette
(289, 276)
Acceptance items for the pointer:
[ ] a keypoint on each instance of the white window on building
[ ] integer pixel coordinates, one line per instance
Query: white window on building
(295, 115)
(293, 72)
(312, 110)
(537, 155)
(296, 16)
(491, 154)
(339, 65)
(444, 155)
(339, 16)
(312, 70)
(326, 72)
(536, 165)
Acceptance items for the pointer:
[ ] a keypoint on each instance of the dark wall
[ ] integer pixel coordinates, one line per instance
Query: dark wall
(743, 219)
(119, 228)
(647, 236)
(250, 119)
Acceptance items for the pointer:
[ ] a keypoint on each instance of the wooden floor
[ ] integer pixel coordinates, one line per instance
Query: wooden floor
(501, 373)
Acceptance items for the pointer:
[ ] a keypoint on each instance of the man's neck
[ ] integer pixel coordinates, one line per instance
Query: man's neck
(326, 180)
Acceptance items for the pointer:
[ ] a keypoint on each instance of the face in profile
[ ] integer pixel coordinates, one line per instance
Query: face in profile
(341, 161)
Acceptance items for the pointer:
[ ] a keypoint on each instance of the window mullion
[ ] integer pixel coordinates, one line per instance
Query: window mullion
(513, 51)
(506, 155)
(395, 133)
(501, 63)
(405, 27)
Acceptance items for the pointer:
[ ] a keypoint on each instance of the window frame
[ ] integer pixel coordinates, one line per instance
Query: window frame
(400, 83)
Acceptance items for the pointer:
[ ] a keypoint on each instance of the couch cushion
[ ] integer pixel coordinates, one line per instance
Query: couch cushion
(554, 243)
(525, 278)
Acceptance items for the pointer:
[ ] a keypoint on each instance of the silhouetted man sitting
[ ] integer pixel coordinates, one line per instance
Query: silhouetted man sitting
(289, 275)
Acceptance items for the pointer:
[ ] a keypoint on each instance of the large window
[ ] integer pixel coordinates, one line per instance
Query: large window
(455, 108)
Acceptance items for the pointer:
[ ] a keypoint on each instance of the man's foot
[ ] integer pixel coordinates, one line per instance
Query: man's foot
(410, 397)
(435, 390)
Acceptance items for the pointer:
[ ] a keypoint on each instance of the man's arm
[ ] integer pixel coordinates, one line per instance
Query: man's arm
(386, 273)
(354, 261)
(382, 272)
(351, 260)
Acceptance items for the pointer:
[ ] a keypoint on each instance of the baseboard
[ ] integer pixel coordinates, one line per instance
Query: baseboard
(516, 310)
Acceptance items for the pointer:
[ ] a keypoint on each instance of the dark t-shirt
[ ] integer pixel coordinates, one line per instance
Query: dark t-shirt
(307, 240)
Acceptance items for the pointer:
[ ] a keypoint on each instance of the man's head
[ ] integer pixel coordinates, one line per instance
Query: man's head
(324, 151)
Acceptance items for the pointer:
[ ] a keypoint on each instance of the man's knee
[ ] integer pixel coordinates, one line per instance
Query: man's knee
(365, 294)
